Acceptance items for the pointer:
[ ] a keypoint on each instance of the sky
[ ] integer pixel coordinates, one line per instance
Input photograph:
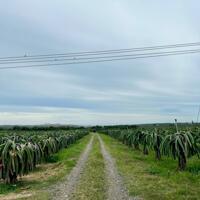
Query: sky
(153, 90)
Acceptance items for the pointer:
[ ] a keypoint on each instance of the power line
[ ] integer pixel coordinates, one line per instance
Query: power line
(107, 60)
(102, 57)
(87, 53)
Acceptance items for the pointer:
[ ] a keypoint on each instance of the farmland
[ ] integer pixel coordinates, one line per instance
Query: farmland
(149, 162)
(151, 177)
(99, 100)
(20, 153)
(179, 144)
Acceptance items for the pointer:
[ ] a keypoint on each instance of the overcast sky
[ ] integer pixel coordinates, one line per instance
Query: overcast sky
(123, 92)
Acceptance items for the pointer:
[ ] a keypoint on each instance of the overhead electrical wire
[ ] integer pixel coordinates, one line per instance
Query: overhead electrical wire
(96, 56)
(101, 57)
(103, 60)
(84, 53)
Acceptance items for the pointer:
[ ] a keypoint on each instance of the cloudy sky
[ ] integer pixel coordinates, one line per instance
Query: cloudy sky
(122, 92)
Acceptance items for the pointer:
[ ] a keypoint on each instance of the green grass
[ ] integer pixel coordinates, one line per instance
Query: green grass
(92, 185)
(150, 179)
(49, 173)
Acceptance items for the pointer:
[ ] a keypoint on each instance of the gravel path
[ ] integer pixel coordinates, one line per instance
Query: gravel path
(116, 188)
(63, 190)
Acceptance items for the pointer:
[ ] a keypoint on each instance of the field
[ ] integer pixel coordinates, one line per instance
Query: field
(114, 162)
(99, 100)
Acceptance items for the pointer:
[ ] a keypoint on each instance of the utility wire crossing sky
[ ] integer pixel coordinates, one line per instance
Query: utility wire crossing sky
(80, 58)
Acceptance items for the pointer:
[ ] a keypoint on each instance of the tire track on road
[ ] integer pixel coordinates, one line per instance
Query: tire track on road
(116, 188)
(63, 190)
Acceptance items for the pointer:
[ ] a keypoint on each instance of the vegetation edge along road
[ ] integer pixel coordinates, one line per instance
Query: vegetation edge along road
(33, 186)
(20, 154)
(150, 179)
(116, 188)
(93, 184)
(63, 190)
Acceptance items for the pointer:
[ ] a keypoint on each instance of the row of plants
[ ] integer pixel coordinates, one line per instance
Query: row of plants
(20, 153)
(180, 144)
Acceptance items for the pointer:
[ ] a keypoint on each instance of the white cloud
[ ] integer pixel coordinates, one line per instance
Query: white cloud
(47, 115)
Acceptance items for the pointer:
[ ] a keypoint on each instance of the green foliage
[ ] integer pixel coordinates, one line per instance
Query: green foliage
(20, 154)
(155, 140)
(147, 178)
(180, 145)
(164, 141)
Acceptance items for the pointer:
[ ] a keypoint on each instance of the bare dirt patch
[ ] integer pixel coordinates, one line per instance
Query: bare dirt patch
(44, 171)
(13, 196)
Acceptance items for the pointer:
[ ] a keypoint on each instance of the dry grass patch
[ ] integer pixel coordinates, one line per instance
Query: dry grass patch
(44, 171)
